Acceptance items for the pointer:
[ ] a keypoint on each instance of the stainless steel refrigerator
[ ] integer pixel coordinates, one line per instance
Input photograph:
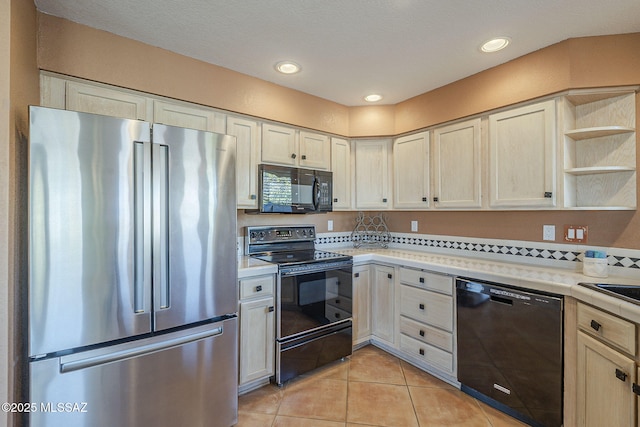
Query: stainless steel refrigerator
(132, 273)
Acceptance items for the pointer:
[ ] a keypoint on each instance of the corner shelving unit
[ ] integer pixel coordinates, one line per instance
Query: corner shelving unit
(600, 149)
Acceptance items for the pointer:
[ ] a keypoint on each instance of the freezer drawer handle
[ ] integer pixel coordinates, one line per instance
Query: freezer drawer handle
(89, 362)
(595, 325)
(622, 376)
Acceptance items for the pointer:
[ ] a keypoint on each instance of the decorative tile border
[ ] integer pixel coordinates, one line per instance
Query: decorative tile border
(624, 262)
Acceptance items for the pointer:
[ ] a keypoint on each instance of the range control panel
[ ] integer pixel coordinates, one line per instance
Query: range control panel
(276, 234)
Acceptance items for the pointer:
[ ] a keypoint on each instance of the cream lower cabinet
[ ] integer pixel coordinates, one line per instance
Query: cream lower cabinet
(361, 304)
(383, 303)
(606, 369)
(257, 333)
(522, 153)
(426, 318)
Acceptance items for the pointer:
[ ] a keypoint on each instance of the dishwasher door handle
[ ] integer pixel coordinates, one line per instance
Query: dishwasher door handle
(501, 300)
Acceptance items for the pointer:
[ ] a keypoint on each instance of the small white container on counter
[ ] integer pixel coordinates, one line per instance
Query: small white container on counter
(595, 264)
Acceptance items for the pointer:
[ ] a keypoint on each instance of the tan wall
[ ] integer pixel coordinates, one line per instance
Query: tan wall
(73, 49)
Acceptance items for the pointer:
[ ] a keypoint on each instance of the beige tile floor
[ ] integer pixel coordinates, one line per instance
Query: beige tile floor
(371, 388)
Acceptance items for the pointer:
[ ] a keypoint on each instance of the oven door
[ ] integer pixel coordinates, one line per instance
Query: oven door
(311, 300)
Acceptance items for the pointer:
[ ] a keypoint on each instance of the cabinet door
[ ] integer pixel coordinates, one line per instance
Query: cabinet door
(247, 155)
(411, 171)
(522, 156)
(383, 303)
(361, 303)
(341, 168)
(108, 102)
(256, 339)
(279, 145)
(456, 166)
(315, 151)
(604, 399)
(188, 116)
(372, 174)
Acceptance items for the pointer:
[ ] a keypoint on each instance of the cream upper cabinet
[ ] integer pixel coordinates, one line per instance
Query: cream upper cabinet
(315, 151)
(247, 133)
(279, 145)
(600, 149)
(457, 170)
(341, 168)
(372, 174)
(522, 157)
(106, 101)
(411, 171)
(188, 116)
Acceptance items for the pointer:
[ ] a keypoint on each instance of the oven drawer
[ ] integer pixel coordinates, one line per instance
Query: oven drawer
(427, 334)
(427, 307)
(423, 279)
(256, 286)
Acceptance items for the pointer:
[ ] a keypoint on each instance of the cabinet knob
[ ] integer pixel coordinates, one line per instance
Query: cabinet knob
(337, 301)
(421, 280)
(389, 276)
(421, 306)
(271, 308)
(435, 199)
(304, 157)
(595, 325)
(424, 199)
(421, 352)
(253, 197)
(356, 274)
(337, 315)
(293, 155)
(548, 194)
(384, 200)
(335, 200)
(421, 333)
(259, 288)
(622, 376)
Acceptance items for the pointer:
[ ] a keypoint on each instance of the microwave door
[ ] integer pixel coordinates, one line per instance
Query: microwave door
(304, 192)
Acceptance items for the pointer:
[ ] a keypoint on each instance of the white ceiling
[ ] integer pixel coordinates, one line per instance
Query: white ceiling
(350, 48)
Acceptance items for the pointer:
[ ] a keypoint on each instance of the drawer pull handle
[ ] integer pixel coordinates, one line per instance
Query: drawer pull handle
(271, 309)
(421, 306)
(621, 375)
(421, 280)
(259, 288)
(421, 333)
(595, 325)
(421, 352)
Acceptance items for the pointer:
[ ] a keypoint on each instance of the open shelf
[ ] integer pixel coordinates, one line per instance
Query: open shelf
(597, 132)
(599, 169)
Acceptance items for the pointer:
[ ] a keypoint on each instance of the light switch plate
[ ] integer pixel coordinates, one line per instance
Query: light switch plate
(549, 232)
(414, 226)
(330, 225)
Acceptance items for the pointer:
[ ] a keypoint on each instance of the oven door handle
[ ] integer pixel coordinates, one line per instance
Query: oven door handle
(284, 272)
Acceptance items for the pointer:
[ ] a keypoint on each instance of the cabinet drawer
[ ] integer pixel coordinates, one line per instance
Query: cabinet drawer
(256, 286)
(608, 327)
(427, 307)
(431, 281)
(431, 355)
(427, 334)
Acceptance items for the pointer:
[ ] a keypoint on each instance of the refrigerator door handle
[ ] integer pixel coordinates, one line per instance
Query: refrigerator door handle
(142, 219)
(67, 365)
(161, 201)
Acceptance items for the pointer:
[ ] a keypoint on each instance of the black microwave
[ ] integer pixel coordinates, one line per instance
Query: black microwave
(285, 189)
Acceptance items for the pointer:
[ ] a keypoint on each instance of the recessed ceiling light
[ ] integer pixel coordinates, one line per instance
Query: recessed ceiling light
(287, 67)
(495, 44)
(374, 97)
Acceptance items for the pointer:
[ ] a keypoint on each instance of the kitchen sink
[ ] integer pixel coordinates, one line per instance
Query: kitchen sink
(629, 293)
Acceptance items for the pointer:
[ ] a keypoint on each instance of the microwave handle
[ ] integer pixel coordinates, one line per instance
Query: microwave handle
(316, 193)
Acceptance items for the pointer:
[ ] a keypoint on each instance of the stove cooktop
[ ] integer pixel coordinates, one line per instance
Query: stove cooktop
(300, 257)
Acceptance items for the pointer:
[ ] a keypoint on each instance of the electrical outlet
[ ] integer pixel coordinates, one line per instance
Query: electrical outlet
(414, 226)
(330, 225)
(549, 232)
(575, 233)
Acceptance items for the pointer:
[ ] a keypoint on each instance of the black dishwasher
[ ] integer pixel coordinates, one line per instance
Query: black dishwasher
(510, 349)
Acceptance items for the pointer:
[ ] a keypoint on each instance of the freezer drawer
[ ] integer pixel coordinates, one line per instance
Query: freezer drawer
(186, 378)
